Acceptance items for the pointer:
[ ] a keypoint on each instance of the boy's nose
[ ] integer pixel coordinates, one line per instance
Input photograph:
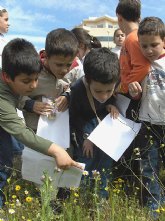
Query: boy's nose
(33, 84)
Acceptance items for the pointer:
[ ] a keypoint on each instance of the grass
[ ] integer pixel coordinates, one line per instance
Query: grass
(25, 201)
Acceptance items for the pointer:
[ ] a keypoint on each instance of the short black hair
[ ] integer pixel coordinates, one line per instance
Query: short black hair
(61, 42)
(130, 10)
(2, 12)
(20, 56)
(101, 65)
(152, 26)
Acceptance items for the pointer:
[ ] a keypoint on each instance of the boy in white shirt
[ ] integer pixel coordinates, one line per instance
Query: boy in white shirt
(151, 138)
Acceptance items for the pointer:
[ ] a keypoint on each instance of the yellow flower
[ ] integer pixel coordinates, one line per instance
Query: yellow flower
(17, 187)
(28, 199)
(157, 210)
(120, 180)
(106, 188)
(14, 196)
(76, 195)
(116, 191)
(23, 217)
(11, 211)
(8, 180)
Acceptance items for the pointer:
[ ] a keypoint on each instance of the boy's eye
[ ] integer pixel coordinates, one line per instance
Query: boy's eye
(26, 82)
(154, 45)
(144, 46)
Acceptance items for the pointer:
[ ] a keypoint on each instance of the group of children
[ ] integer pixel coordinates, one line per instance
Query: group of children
(139, 74)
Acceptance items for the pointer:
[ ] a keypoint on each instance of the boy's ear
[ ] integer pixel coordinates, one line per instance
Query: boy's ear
(82, 46)
(164, 42)
(6, 77)
(119, 17)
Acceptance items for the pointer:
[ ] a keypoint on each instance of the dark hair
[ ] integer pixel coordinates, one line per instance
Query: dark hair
(101, 65)
(86, 39)
(20, 56)
(130, 10)
(61, 42)
(152, 26)
(2, 11)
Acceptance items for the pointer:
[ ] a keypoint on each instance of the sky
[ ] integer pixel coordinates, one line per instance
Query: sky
(34, 19)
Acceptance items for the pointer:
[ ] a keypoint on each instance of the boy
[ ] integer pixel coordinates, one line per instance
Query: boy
(101, 68)
(4, 26)
(60, 49)
(133, 65)
(19, 76)
(151, 138)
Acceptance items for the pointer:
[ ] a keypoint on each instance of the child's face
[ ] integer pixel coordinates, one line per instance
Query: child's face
(101, 92)
(119, 38)
(151, 46)
(23, 84)
(4, 22)
(59, 65)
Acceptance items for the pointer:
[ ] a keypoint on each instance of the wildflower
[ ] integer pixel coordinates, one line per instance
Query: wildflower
(17, 187)
(14, 196)
(23, 217)
(28, 199)
(85, 173)
(120, 180)
(106, 188)
(116, 191)
(43, 178)
(75, 200)
(76, 195)
(95, 173)
(162, 145)
(50, 179)
(157, 210)
(11, 211)
(8, 180)
(18, 202)
(26, 192)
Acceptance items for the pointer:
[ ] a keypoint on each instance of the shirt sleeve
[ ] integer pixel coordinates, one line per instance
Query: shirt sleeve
(14, 125)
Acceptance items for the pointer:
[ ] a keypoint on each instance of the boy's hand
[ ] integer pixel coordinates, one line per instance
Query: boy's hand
(42, 108)
(63, 160)
(88, 148)
(113, 111)
(61, 103)
(135, 89)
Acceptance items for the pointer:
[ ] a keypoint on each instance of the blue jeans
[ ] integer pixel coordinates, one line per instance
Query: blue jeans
(8, 147)
(102, 163)
(149, 144)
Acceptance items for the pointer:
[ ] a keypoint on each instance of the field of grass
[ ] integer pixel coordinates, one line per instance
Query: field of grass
(24, 201)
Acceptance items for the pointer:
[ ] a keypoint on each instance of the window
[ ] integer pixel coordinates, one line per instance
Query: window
(100, 26)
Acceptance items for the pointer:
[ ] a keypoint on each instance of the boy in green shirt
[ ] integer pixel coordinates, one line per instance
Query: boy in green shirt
(19, 77)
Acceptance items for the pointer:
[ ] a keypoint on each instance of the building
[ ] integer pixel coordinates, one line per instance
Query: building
(101, 27)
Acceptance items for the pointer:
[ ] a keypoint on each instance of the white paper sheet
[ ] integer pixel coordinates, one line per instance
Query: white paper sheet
(114, 136)
(34, 163)
(56, 130)
(122, 103)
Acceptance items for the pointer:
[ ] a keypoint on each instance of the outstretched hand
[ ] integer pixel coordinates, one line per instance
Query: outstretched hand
(63, 160)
